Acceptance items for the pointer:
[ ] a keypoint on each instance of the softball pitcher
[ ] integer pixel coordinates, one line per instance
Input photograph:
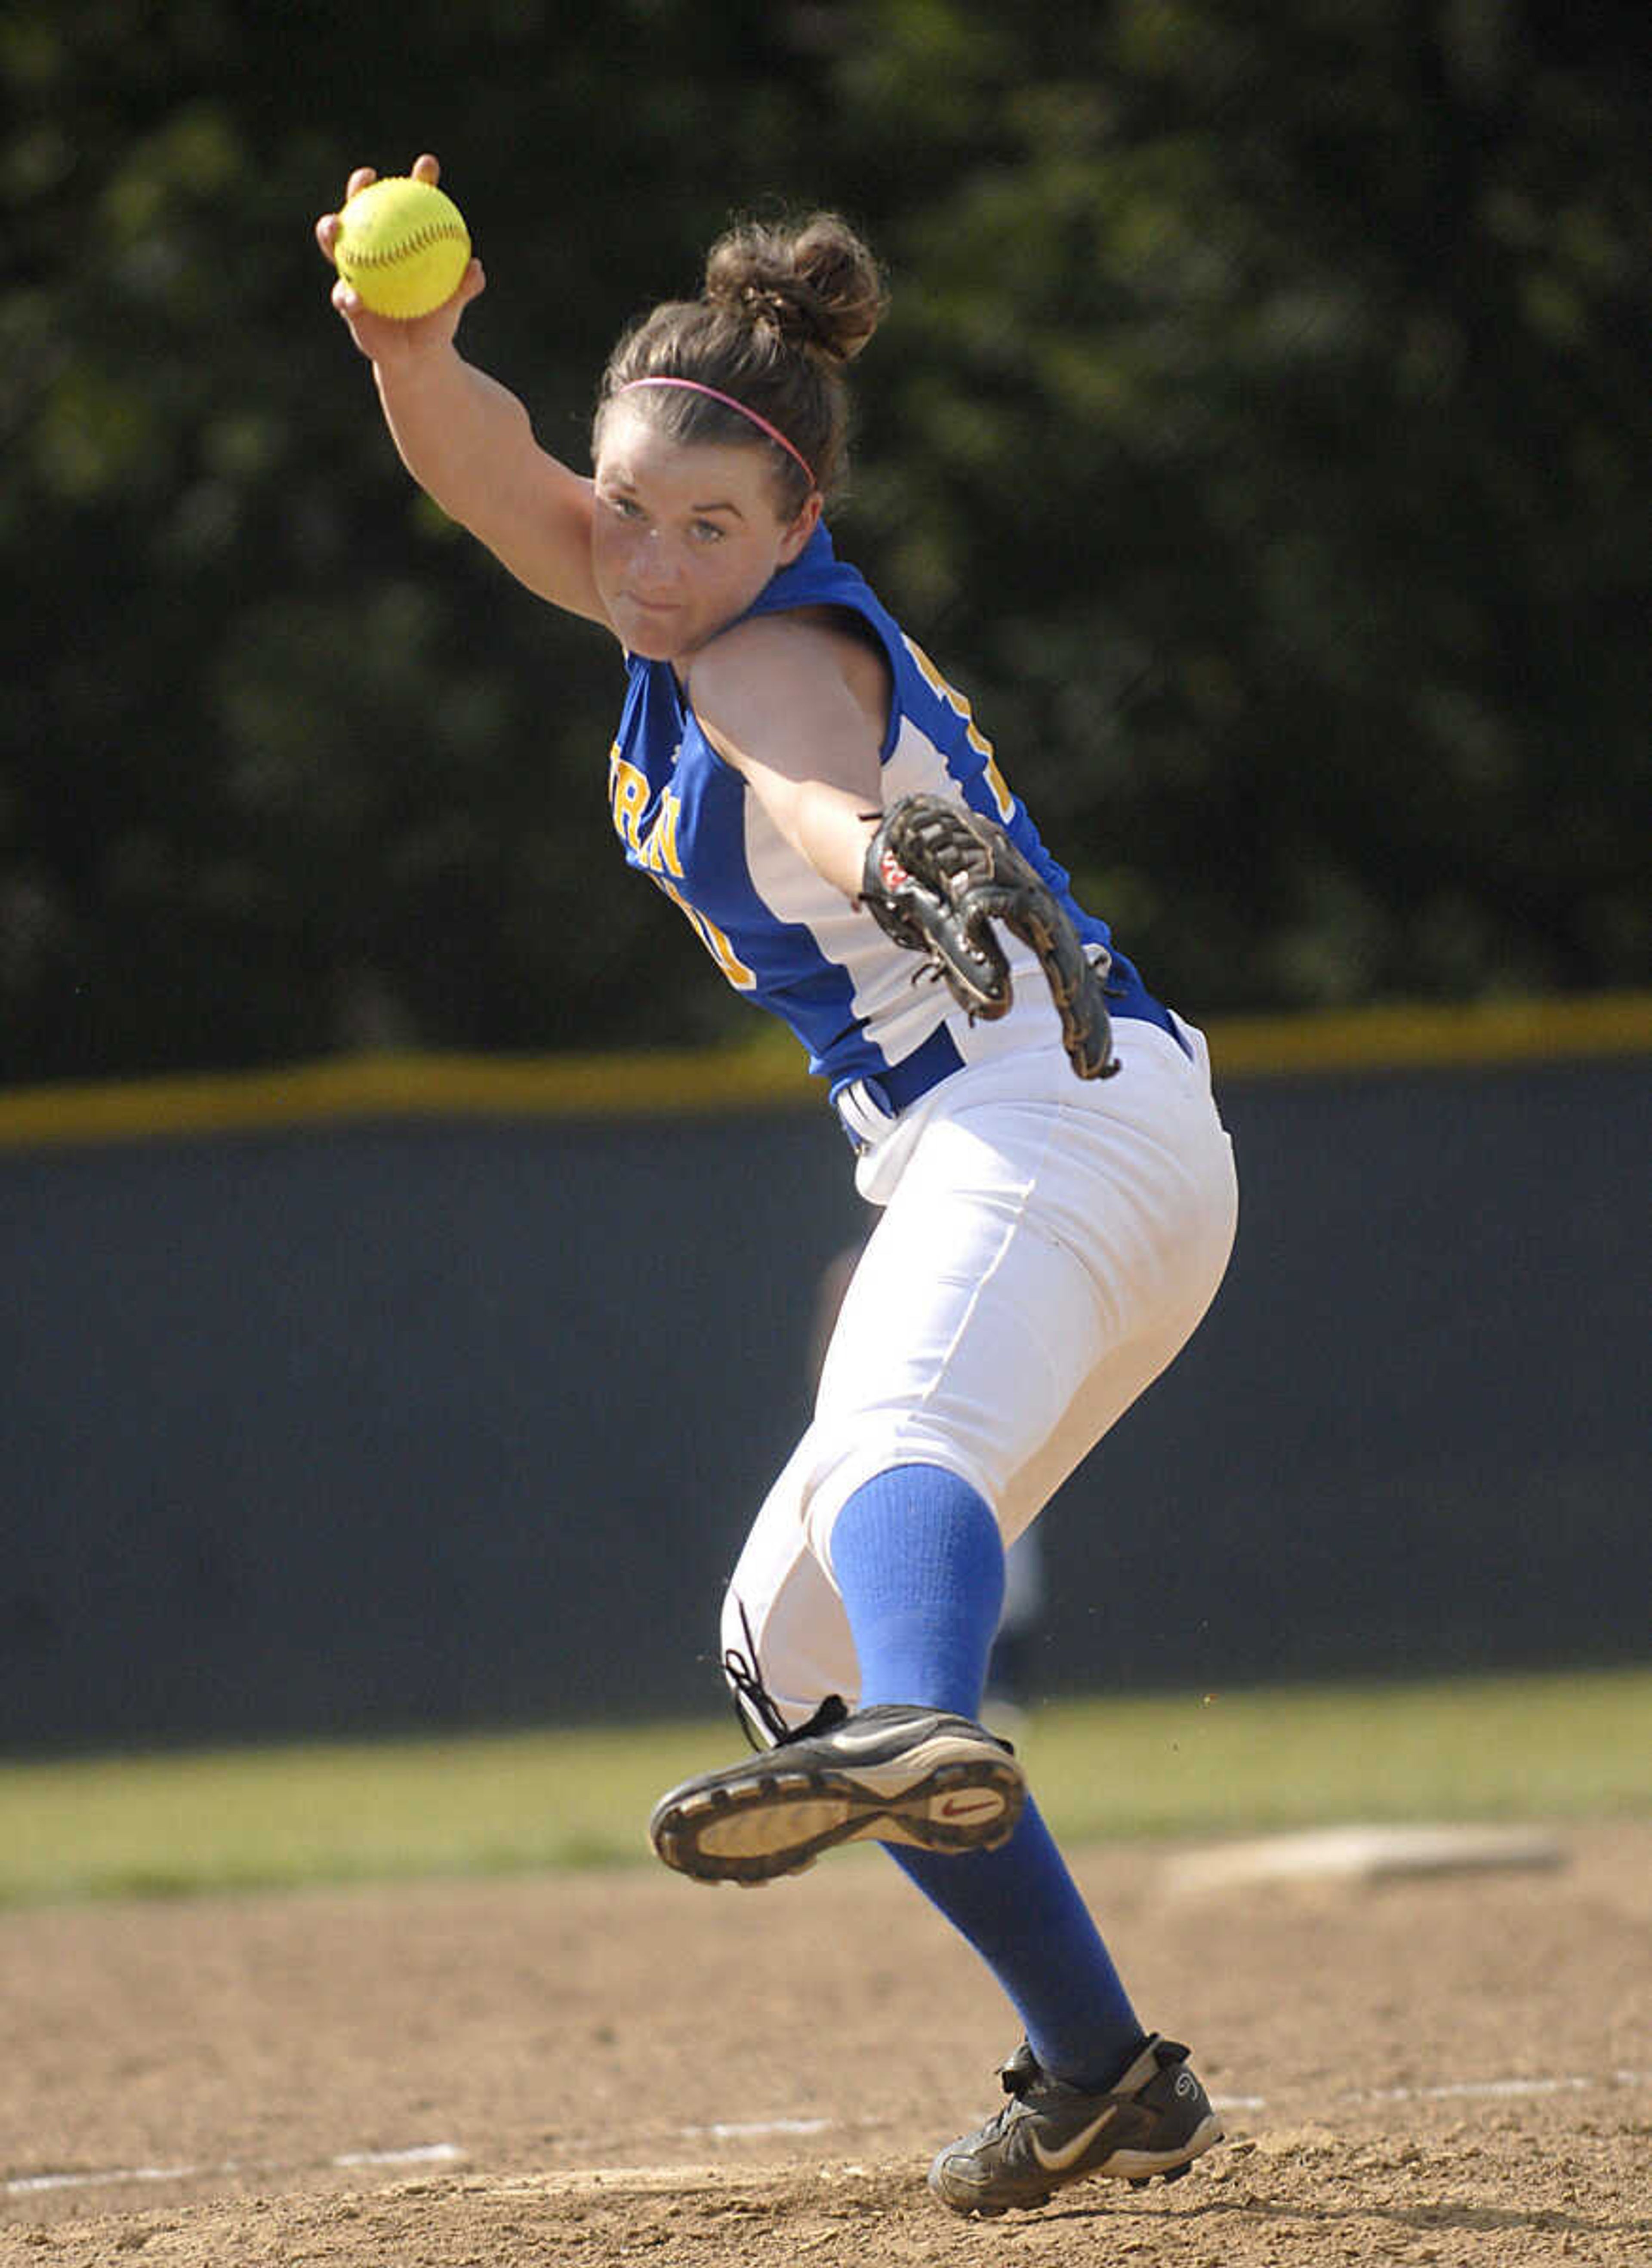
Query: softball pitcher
(1057, 1191)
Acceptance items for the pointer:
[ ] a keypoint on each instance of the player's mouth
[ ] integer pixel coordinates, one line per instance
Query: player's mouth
(657, 617)
(654, 629)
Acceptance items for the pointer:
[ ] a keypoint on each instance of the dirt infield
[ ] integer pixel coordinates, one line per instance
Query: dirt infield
(606, 2069)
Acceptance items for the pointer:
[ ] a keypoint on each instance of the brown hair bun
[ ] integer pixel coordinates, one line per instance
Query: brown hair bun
(813, 281)
(785, 307)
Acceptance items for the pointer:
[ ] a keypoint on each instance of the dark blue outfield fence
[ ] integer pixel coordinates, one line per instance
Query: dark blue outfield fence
(405, 1395)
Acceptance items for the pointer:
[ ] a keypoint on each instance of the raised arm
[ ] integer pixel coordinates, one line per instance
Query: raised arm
(468, 441)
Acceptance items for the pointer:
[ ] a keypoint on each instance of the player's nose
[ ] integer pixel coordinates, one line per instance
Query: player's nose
(659, 564)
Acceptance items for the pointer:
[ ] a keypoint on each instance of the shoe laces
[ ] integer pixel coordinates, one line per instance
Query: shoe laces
(1021, 2072)
(1019, 2078)
(753, 1699)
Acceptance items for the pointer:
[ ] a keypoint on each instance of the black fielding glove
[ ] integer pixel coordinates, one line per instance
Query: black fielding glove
(937, 875)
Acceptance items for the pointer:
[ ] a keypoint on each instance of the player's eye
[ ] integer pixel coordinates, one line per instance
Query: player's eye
(709, 530)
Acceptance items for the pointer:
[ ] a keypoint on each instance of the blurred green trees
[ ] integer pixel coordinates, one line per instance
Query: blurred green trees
(1261, 436)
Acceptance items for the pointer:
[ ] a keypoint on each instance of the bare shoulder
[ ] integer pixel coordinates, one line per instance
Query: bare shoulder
(819, 651)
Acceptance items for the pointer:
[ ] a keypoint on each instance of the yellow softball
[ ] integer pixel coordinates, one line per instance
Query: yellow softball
(402, 246)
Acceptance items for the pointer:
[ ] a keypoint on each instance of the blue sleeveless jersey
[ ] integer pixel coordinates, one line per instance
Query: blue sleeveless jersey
(781, 934)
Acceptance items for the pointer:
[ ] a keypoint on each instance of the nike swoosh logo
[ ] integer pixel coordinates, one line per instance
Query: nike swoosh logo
(968, 1807)
(853, 1742)
(1057, 2162)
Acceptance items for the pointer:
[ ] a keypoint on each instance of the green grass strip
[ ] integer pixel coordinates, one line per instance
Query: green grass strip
(1553, 1747)
(1547, 1748)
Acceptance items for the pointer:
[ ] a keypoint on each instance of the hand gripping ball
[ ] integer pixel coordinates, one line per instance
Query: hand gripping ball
(402, 246)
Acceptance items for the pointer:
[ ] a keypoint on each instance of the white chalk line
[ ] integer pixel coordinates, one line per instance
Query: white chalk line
(740, 2130)
(422, 2153)
(1470, 2089)
(725, 2130)
(1461, 2090)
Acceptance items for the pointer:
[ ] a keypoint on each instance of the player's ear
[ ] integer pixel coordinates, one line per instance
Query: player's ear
(801, 528)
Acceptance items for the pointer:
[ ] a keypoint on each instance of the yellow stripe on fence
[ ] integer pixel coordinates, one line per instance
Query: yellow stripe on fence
(659, 1085)
(1417, 1037)
(668, 1083)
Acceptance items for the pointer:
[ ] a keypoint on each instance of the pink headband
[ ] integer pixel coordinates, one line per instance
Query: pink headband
(693, 385)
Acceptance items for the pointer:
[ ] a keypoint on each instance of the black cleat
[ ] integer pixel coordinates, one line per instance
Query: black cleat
(1156, 2121)
(887, 1774)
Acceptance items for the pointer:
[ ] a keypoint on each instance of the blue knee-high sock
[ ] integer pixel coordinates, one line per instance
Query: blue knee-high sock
(1021, 1910)
(918, 1561)
(917, 1558)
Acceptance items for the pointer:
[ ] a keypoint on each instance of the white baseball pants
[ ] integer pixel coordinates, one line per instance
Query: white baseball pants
(1048, 1245)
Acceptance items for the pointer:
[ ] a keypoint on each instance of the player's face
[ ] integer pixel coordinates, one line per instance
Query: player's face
(685, 535)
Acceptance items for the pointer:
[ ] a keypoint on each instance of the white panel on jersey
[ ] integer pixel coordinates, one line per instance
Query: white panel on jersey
(898, 1014)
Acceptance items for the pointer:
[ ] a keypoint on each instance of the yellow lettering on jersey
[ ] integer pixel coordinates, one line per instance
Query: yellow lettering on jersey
(659, 845)
(628, 794)
(960, 707)
(712, 938)
(999, 786)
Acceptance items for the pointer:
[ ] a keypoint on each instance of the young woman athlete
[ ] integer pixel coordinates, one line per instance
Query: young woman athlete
(1047, 1243)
